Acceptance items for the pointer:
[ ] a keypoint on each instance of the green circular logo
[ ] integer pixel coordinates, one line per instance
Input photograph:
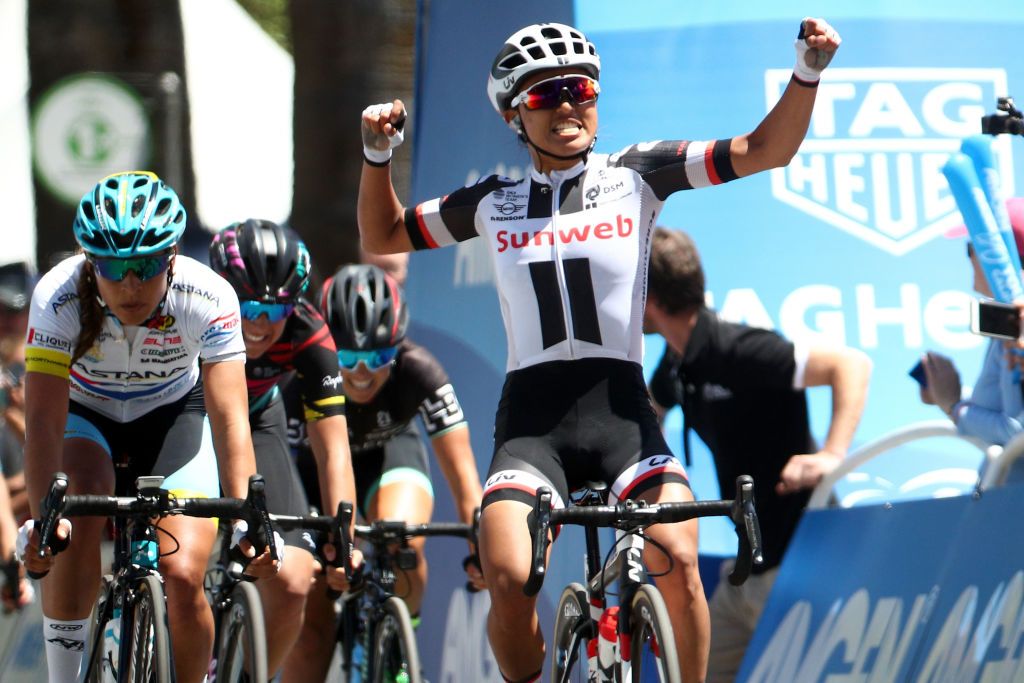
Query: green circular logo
(84, 128)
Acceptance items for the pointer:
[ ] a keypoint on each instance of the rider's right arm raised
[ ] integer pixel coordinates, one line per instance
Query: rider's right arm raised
(380, 213)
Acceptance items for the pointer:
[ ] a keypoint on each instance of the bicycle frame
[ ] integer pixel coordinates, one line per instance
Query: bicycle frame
(367, 603)
(626, 566)
(128, 570)
(136, 549)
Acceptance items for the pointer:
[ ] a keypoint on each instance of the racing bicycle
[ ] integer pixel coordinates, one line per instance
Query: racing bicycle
(240, 635)
(595, 643)
(375, 631)
(130, 641)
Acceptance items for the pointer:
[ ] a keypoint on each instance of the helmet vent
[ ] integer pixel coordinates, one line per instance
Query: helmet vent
(139, 182)
(361, 316)
(137, 204)
(512, 61)
(536, 52)
(94, 240)
(123, 241)
(162, 207)
(108, 207)
(87, 210)
(550, 32)
(559, 48)
(112, 184)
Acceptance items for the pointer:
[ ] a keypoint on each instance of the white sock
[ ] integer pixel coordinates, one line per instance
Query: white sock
(65, 647)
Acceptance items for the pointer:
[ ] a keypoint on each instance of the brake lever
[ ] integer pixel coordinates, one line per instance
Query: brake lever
(261, 530)
(748, 531)
(539, 523)
(51, 508)
(343, 546)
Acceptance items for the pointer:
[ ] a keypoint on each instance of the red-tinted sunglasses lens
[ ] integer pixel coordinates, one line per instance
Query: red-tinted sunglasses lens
(548, 94)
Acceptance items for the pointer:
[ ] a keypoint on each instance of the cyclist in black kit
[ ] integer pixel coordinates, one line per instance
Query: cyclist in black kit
(268, 266)
(571, 279)
(388, 379)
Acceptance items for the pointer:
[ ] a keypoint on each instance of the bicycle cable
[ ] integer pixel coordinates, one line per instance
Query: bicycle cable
(177, 543)
(664, 551)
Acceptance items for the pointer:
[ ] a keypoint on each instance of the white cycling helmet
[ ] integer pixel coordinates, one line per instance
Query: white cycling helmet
(536, 48)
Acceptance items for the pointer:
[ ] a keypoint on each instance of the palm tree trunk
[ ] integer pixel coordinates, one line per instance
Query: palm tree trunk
(347, 55)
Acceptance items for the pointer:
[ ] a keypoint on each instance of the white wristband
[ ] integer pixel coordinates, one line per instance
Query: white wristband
(801, 70)
(377, 156)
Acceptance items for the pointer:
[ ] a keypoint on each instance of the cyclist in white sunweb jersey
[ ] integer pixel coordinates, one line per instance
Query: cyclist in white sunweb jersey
(570, 245)
(134, 366)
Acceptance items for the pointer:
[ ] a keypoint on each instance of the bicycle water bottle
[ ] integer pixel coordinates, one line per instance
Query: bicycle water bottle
(608, 641)
(111, 646)
(146, 551)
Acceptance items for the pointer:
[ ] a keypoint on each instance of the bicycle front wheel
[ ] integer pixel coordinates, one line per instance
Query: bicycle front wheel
(96, 657)
(395, 657)
(242, 639)
(653, 643)
(573, 630)
(149, 644)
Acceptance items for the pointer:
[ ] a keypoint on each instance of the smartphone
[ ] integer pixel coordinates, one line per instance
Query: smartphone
(995, 319)
(917, 372)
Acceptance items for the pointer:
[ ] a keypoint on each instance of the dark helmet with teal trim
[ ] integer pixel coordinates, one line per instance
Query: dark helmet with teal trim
(262, 260)
(129, 214)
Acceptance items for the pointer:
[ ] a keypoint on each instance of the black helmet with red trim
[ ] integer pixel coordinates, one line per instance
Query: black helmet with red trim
(364, 308)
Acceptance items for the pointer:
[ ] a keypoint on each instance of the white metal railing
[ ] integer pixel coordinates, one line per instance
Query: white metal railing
(996, 471)
(914, 432)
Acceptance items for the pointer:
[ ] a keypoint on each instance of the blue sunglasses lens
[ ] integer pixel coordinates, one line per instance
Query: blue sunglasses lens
(144, 267)
(374, 359)
(252, 310)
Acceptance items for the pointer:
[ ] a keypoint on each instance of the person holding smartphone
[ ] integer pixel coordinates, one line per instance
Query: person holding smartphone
(994, 410)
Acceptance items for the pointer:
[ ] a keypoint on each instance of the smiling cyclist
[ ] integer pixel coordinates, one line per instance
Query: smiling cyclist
(571, 279)
(268, 267)
(388, 380)
(113, 390)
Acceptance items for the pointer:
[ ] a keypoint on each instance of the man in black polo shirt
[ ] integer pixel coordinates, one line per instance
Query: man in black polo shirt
(741, 389)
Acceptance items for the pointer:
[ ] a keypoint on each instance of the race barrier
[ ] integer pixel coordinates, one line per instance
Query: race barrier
(926, 591)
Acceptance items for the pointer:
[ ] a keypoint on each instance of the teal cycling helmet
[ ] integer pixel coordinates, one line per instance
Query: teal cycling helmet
(129, 214)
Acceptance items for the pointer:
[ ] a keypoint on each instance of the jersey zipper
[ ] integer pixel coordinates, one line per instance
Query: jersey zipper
(563, 290)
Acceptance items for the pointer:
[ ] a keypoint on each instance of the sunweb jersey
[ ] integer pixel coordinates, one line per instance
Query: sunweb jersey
(570, 249)
(131, 370)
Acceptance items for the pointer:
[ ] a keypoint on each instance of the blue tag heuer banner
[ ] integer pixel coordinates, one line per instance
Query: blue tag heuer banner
(846, 244)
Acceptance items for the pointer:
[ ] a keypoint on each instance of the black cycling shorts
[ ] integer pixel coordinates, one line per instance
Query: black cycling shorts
(564, 423)
(403, 457)
(172, 441)
(285, 495)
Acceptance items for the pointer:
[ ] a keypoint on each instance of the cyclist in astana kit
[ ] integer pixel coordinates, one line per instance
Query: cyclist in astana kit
(268, 267)
(388, 379)
(113, 391)
(570, 244)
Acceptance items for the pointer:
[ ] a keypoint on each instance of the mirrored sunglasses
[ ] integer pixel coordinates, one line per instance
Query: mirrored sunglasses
(549, 93)
(252, 310)
(144, 267)
(374, 359)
